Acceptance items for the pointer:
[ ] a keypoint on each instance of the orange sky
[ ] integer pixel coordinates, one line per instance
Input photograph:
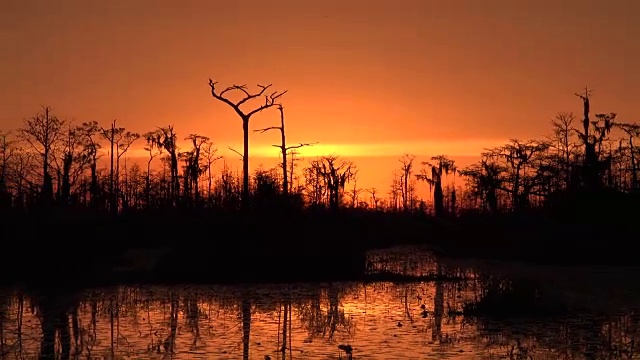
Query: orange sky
(365, 77)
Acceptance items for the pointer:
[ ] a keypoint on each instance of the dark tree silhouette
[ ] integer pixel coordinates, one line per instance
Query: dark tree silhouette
(373, 192)
(246, 326)
(593, 134)
(19, 169)
(588, 175)
(355, 191)
(209, 151)
(42, 132)
(270, 100)
(334, 174)
(484, 181)
(166, 139)
(292, 168)
(6, 153)
(113, 135)
(518, 157)
(571, 164)
(193, 166)
(284, 149)
(89, 132)
(79, 152)
(632, 131)
(406, 181)
(154, 149)
(433, 176)
(562, 141)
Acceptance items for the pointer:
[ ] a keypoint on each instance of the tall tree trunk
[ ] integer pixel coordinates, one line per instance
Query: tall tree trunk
(147, 189)
(47, 181)
(65, 191)
(93, 187)
(438, 199)
(634, 166)
(285, 322)
(245, 164)
(112, 197)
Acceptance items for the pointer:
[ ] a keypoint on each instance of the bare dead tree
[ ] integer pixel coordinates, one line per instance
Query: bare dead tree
(374, 199)
(562, 136)
(42, 132)
(122, 146)
(6, 153)
(585, 97)
(270, 100)
(519, 157)
(632, 131)
(355, 191)
(592, 136)
(292, 165)
(210, 156)
(406, 178)
(395, 191)
(153, 149)
(283, 149)
(77, 156)
(119, 142)
(314, 183)
(89, 131)
(21, 167)
(113, 135)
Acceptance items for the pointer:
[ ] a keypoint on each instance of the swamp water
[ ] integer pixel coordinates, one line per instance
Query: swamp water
(499, 311)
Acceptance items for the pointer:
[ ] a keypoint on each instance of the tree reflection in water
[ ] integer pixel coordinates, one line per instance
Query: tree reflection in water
(323, 321)
(53, 313)
(296, 321)
(4, 306)
(246, 326)
(192, 314)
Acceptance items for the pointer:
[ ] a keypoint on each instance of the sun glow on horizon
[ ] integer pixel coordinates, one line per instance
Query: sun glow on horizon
(469, 147)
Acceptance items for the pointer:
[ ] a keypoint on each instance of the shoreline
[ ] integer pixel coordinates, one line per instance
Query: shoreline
(296, 246)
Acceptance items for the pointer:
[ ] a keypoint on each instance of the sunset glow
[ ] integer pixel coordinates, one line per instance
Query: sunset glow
(319, 179)
(454, 148)
(431, 148)
(424, 78)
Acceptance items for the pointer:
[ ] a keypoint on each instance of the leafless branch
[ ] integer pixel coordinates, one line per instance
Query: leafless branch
(235, 151)
(295, 146)
(300, 145)
(269, 99)
(262, 131)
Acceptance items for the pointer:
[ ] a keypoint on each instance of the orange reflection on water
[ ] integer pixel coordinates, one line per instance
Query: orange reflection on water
(379, 320)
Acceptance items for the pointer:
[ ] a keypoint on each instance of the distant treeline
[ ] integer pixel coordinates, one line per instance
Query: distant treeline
(50, 162)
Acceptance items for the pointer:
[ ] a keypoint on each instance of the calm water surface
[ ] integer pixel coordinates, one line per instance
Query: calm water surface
(379, 320)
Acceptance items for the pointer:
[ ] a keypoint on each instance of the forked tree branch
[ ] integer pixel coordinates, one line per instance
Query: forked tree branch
(270, 99)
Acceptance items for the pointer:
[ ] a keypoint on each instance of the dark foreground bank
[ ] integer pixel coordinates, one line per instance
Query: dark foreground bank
(197, 246)
(184, 246)
(306, 245)
(542, 239)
